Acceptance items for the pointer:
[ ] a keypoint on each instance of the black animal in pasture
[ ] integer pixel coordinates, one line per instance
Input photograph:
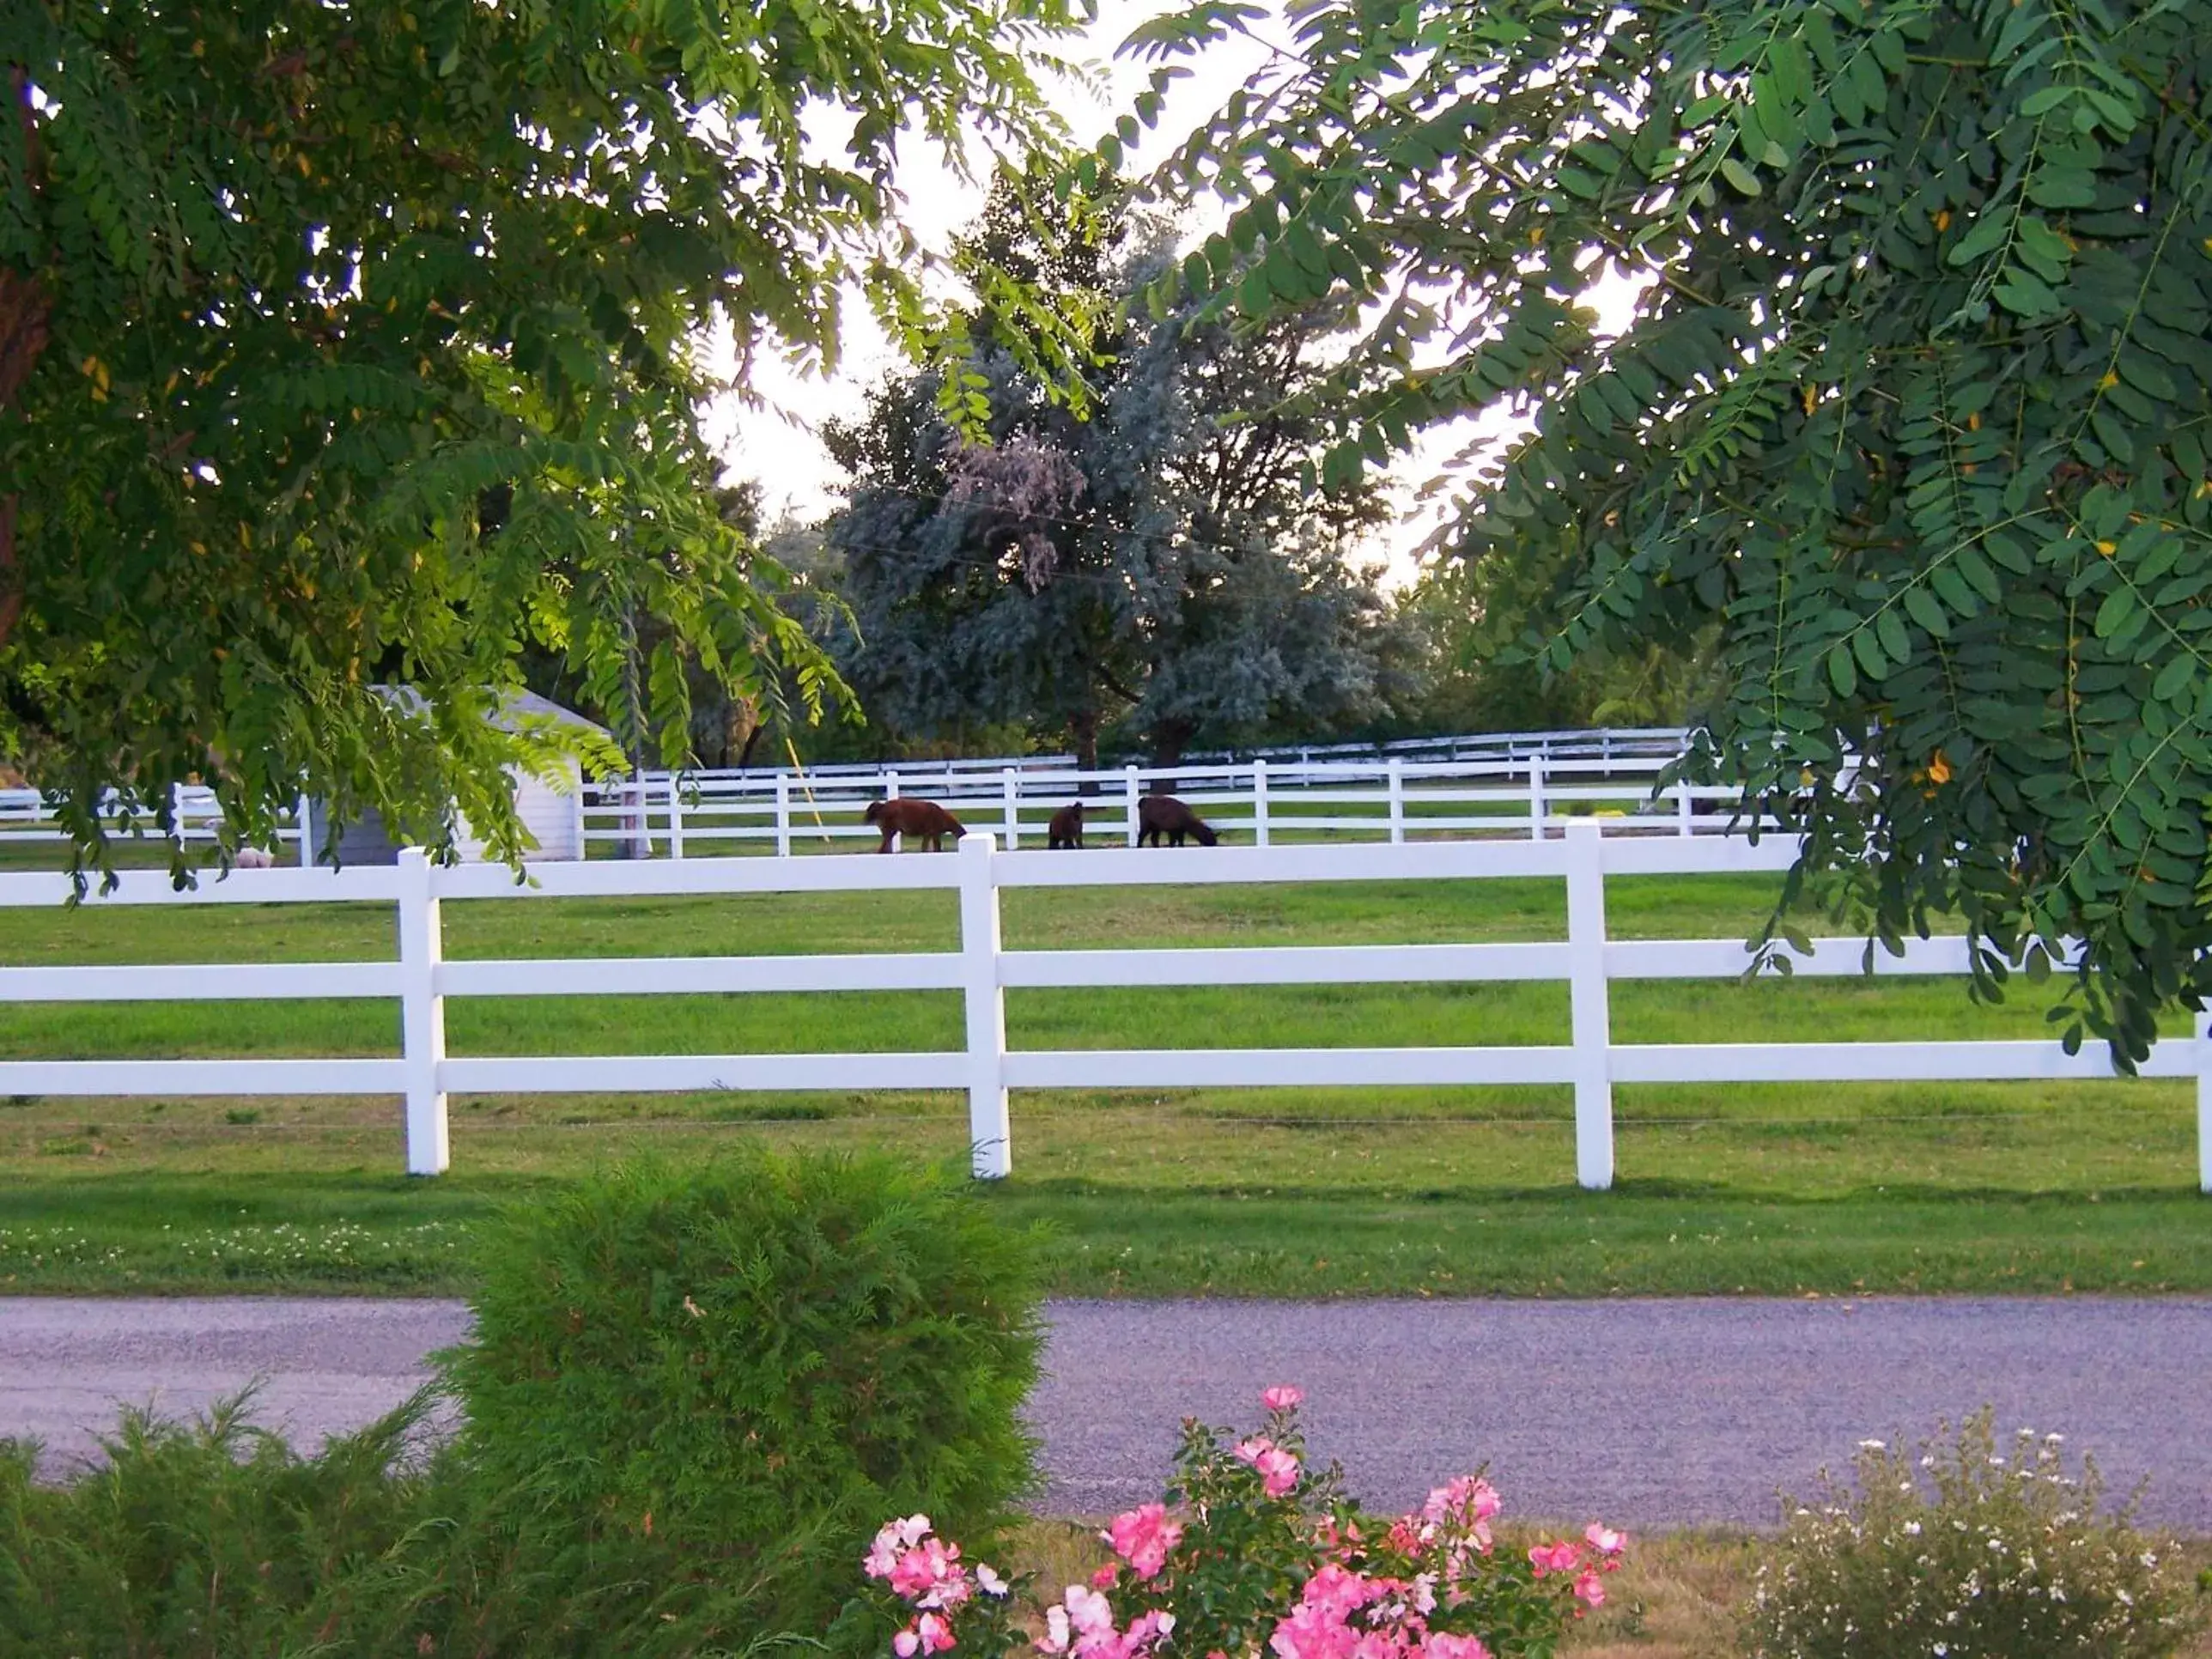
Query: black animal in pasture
(1164, 815)
(1066, 828)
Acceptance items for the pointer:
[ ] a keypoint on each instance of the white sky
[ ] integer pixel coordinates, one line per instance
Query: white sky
(779, 446)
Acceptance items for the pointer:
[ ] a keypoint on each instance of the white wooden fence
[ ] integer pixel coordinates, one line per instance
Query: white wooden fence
(983, 970)
(1393, 800)
(1478, 784)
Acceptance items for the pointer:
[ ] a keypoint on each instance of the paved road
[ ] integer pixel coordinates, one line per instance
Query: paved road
(1652, 1413)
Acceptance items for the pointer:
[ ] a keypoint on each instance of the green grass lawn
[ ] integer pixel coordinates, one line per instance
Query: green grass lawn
(1834, 1190)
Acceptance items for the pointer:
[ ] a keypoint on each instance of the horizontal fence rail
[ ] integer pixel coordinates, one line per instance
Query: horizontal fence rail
(983, 970)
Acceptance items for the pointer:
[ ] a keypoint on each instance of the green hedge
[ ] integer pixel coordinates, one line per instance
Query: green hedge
(691, 1397)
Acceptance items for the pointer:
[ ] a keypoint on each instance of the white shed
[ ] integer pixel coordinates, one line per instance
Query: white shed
(548, 808)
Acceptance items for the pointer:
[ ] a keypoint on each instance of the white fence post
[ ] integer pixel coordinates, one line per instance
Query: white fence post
(1683, 826)
(1536, 804)
(2204, 1101)
(1010, 787)
(1259, 803)
(1397, 801)
(782, 816)
(422, 1015)
(577, 822)
(891, 792)
(1129, 790)
(989, 1134)
(675, 817)
(1586, 982)
(305, 812)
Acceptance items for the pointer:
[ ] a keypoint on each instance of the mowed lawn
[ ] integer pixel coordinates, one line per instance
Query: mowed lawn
(1830, 1189)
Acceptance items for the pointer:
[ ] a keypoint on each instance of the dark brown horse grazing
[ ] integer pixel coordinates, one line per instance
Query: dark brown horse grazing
(1066, 828)
(919, 821)
(1158, 815)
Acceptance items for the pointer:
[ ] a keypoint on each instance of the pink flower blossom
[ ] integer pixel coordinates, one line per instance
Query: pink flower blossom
(1469, 1498)
(1589, 1587)
(1283, 1397)
(1081, 1618)
(1143, 1537)
(1311, 1633)
(1106, 1576)
(1337, 1592)
(1442, 1644)
(1562, 1556)
(928, 1634)
(1604, 1540)
(987, 1580)
(930, 1574)
(1279, 1469)
(1082, 1625)
(896, 1538)
(1380, 1644)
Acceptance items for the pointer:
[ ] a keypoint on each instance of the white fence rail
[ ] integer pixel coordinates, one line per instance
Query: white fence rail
(1393, 800)
(25, 816)
(983, 969)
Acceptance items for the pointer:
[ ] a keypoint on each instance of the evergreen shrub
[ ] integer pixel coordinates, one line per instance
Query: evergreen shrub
(726, 1376)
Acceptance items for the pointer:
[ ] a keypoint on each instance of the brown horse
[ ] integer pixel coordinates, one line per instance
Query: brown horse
(1066, 828)
(919, 821)
(1158, 815)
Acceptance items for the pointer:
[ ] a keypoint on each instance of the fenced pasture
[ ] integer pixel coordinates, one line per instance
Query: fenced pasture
(909, 1052)
(1506, 784)
(1259, 803)
(1298, 1187)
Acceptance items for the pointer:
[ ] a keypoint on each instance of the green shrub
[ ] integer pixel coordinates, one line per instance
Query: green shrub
(213, 1539)
(714, 1382)
(1969, 1554)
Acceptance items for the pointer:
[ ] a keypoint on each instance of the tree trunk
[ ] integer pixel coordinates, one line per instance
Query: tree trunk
(1170, 740)
(1082, 731)
(25, 306)
(752, 740)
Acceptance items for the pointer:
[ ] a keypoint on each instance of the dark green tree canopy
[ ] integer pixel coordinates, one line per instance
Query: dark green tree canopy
(1153, 562)
(1914, 405)
(352, 342)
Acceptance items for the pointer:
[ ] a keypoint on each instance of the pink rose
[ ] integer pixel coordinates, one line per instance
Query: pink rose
(1311, 1633)
(1283, 1397)
(935, 1633)
(1440, 1644)
(1604, 1540)
(1469, 1498)
(896, 1538)
(1106, 1577)
(1143, 1537)
(1562, 1556)
(930, 1566)
(1589, 1587)
(1279, 1469)
(1336, 1592)
(1083, 1617)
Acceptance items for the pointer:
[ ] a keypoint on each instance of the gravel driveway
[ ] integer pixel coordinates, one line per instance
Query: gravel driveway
(1650, 1412)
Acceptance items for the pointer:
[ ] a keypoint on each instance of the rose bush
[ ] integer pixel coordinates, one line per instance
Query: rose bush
(1254, 1554)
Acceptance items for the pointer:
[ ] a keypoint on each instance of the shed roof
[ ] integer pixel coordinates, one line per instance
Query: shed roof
(515, 708)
